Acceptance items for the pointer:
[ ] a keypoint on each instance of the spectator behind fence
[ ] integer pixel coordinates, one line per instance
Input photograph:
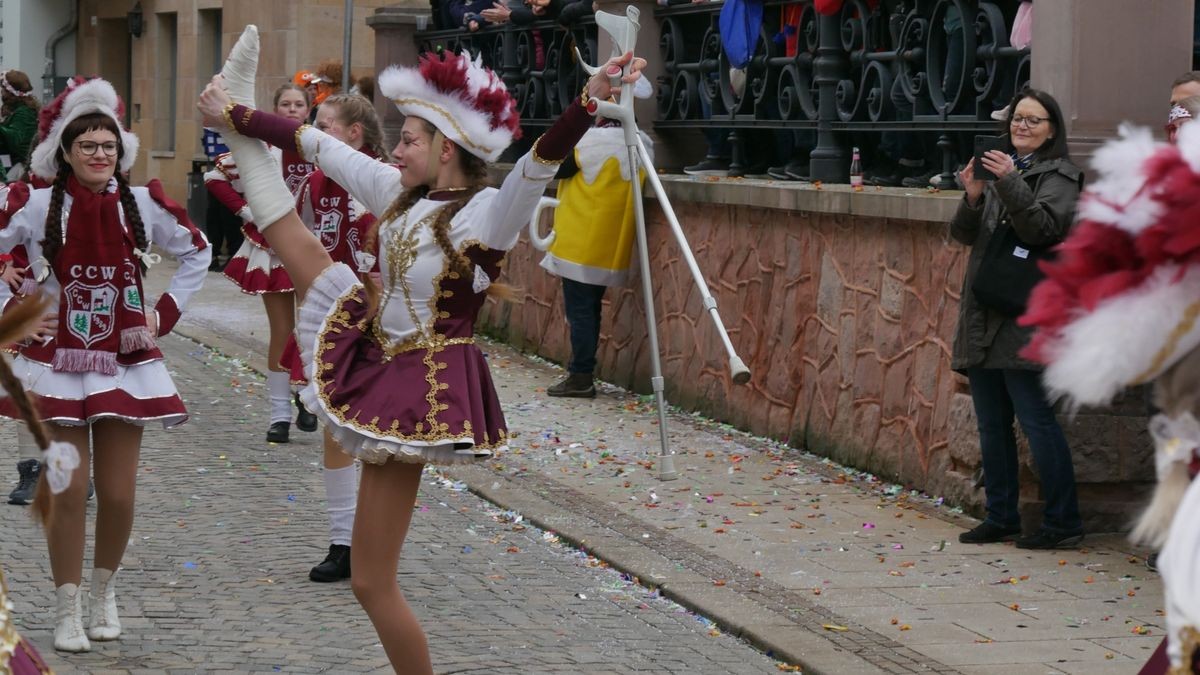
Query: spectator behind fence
(1027, 209)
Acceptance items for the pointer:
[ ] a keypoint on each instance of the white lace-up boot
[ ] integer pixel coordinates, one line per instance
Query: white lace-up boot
(68, 629)
(103, 623)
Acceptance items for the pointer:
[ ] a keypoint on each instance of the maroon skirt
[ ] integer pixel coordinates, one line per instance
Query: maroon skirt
(434, 403)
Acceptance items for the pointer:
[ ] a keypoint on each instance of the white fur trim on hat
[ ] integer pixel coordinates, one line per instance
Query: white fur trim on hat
(1128, 339)
(92, 96)
(452, 113)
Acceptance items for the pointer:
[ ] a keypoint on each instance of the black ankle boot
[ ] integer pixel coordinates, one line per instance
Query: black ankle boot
(278, 433)
(305, 421)
(335, 567)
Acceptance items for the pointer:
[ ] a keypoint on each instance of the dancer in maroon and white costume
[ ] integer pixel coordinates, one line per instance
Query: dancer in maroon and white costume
(96, 371)
(395, 371)
(342, 223)
(257, 271)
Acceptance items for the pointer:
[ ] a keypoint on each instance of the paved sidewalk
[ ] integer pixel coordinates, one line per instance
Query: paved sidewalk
(819, 564)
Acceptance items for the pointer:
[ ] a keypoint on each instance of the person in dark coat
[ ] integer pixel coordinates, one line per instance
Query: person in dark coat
(18, 123)
(1035, 194)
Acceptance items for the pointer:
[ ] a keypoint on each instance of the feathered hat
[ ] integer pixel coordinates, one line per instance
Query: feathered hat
(467, 102)
(81, 97)
(1121, 303)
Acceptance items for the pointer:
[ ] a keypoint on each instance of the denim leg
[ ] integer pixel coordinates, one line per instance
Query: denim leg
(1050, 450)
(998, 444)
(582, 303)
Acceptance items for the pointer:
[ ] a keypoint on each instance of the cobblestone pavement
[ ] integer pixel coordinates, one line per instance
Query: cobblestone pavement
(227, 528)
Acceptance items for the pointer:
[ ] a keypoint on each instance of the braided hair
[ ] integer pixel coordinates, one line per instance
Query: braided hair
(53, 241)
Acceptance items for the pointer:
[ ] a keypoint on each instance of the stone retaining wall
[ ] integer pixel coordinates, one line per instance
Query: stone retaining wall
(844, 306)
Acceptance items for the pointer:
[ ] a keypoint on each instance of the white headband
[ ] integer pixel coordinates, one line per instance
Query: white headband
(1178, 113)
(9, 88)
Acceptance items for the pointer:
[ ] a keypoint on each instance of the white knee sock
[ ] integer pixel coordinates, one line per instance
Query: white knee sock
(27, 447)
(279, 391)
(341, 495)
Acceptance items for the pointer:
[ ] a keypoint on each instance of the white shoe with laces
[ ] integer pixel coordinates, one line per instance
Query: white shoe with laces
(103, 623)
(68, 628)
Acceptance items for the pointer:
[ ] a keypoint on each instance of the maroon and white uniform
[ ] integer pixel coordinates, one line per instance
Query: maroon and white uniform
(138, 388)
(254, 268)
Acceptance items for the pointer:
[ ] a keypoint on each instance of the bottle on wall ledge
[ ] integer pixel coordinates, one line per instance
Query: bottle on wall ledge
(856, 172)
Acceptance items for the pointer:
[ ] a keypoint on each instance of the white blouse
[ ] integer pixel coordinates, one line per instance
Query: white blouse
(410, 271)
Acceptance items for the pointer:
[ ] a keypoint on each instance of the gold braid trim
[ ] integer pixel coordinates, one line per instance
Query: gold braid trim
(227, 113)
(1186, 322)
(542, 160)
(300, 144)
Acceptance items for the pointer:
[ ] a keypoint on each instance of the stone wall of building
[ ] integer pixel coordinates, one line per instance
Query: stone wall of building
(846, 317)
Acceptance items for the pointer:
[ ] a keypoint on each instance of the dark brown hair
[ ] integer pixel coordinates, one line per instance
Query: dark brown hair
(20, 82)
(1053, 147)
(53, 242)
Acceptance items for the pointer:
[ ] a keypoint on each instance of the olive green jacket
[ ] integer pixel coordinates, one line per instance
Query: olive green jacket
(16, 133)
(1040, 205)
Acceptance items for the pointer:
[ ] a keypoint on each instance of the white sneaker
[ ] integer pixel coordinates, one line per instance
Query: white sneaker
(68, 629)
(103, 623)
(1001, 114)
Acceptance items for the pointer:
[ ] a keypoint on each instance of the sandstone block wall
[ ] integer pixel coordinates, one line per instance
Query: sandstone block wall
(847, 323)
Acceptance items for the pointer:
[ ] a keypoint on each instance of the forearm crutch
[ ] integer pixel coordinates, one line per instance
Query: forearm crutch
(623, 31)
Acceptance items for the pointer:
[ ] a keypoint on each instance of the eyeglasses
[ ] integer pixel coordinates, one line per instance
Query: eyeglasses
(89, 148)
(1027, 120)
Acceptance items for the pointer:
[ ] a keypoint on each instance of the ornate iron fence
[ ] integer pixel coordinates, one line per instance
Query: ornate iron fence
(936, 68)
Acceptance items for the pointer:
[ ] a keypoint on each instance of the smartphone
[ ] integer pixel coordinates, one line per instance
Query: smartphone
(982, 145)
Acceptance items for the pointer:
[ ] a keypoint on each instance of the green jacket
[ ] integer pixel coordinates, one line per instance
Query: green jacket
(16, 132)
(1040, 204)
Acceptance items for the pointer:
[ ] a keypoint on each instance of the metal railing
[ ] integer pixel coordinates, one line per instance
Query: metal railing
(935, 68)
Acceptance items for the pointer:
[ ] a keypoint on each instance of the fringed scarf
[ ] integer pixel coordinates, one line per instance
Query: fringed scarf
(100, 310)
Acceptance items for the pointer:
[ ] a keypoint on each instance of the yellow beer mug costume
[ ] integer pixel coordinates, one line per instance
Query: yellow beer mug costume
(594, 223)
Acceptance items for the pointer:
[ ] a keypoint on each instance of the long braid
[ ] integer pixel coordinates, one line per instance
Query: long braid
(441, 234)
(52, 243)
(133, 217)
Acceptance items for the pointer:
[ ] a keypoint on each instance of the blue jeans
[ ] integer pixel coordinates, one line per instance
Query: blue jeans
(581, 303)
(997, 395)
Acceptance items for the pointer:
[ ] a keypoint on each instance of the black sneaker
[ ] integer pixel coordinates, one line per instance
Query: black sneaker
(1152, 562)
(1045, 539)
(575, 385)
(335, 567)
(28, 471)
(923, 180)
(305, 421)
(278, 433)
(989, 533)
(711, 166)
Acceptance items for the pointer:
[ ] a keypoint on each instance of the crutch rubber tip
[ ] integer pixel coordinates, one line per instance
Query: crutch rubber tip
(738, 370)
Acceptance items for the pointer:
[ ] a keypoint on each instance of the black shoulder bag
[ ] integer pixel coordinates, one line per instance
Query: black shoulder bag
(1009, 271)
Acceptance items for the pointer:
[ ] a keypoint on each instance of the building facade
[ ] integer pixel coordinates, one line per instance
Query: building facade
(159, 54)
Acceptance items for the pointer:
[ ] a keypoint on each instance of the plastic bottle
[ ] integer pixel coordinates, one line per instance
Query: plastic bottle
(856, 172)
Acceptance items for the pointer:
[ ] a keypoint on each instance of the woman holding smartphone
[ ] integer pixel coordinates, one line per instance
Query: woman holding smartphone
(1034, 195)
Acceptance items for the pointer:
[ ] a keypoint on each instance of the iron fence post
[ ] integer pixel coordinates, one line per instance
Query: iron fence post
(829, 161)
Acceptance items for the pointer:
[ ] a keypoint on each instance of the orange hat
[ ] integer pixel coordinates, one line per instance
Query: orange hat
(304, 78)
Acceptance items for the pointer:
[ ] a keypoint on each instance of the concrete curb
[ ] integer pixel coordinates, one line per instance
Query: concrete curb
(734, 613)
